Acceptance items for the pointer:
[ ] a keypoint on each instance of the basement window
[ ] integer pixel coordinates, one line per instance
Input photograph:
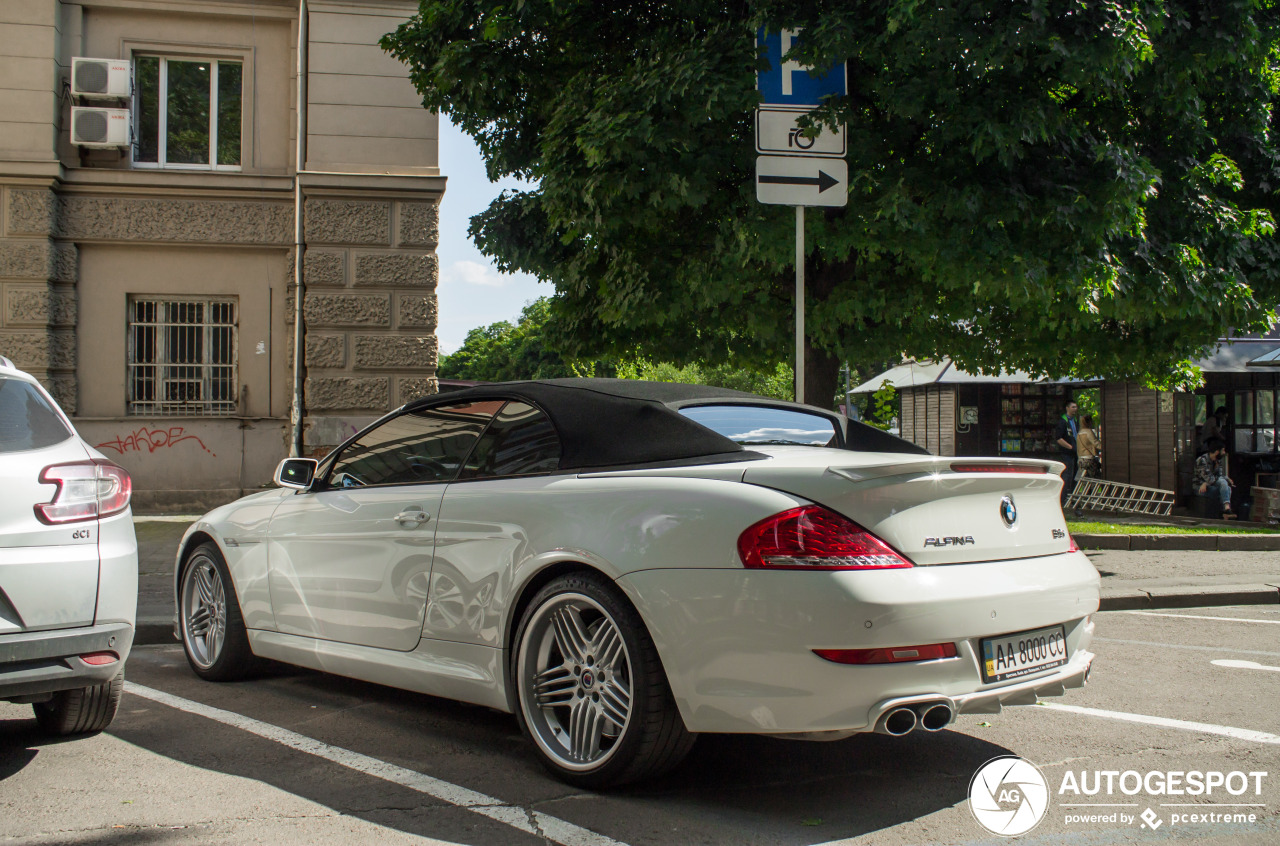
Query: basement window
(182, 356)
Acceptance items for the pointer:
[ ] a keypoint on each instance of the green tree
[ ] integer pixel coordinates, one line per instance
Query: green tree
(777, 382)
(1058, 186)
(502, 352)
(882, 406)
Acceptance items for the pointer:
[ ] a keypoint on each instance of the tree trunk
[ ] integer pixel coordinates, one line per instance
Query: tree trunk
(821, 377)
(821, 368)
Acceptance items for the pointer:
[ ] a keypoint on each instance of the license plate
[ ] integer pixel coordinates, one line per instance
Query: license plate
(1020, 654)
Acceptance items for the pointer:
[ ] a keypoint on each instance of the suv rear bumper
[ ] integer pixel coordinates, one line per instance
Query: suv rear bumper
(33, 663)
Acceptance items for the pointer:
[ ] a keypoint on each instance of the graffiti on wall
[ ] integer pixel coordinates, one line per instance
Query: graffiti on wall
(150, 440)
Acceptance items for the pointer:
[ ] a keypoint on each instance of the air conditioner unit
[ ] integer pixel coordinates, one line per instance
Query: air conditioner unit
(100, 127)
(101, 78)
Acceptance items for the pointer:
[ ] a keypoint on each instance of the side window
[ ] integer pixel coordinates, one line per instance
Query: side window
(521, 441)
(417, 447)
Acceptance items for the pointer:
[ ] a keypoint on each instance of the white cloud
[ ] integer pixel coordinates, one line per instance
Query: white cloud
(474, 273)
(778, 433)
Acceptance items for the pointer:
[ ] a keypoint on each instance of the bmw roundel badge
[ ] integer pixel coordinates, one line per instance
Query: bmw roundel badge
(1008, 511)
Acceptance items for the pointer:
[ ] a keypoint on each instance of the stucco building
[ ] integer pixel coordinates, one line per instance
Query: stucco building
(150, 284)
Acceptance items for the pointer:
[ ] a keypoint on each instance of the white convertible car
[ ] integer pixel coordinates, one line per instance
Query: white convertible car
(626, 564)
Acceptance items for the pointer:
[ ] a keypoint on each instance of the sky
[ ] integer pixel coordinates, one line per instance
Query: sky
(471, 292)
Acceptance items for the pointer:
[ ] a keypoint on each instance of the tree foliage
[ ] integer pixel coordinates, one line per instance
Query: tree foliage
(503, 352)
(1065, 187)
(777, 382)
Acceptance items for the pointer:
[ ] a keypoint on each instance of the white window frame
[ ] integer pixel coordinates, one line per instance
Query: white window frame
(158, 406)
(162, 102)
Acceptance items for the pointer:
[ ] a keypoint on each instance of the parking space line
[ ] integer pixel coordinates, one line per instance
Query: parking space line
(1202, 617)
(1165, 722)
(530, 821)
(1243, 665)
(1188, 646)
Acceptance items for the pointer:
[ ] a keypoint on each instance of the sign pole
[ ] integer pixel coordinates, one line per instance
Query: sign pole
(798, 167)
(799, 303)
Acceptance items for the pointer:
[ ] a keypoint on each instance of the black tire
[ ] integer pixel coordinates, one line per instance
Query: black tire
(652, 738)
(207, 601)
(80, 711)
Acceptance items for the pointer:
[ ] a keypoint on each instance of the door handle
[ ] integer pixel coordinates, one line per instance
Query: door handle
(412, 518)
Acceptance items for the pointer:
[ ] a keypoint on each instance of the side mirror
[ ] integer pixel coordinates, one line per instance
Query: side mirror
(296, 473)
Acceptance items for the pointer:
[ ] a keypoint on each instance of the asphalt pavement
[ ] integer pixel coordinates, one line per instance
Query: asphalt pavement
(1138, 571)
(295, 756)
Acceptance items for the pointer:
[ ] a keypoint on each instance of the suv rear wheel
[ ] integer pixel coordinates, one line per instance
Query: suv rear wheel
(86, 709)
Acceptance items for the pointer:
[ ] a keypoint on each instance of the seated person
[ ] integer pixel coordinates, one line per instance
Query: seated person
(1210, 479)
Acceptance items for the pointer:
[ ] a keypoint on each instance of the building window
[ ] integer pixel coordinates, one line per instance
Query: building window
(1252, 418)
(188, 113)
(182, 356)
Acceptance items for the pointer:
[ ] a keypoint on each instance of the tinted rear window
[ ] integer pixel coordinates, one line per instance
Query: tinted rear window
(756, 425)
(27, 421)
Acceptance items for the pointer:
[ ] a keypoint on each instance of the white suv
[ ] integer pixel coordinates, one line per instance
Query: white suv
(68, 564)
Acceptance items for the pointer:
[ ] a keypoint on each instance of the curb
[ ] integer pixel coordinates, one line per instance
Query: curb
(1146, 600)
(153, 631)
(1200, 543)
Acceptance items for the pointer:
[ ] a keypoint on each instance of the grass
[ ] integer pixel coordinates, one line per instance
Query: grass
(1098, 528)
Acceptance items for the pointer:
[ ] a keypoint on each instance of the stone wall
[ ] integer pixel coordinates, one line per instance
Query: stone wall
(370, 272)
(38, 276)
(370, 309)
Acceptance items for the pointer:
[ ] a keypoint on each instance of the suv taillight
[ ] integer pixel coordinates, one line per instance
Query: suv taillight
(814, 538)
(86, 490)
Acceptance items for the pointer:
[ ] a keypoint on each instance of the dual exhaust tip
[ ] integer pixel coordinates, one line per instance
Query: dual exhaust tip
(930, 716)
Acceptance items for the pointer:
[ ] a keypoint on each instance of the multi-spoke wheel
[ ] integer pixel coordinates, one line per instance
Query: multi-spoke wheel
(590, 688)
(213, 632)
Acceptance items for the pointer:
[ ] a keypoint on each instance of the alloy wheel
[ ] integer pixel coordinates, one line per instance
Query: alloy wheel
(575, 681)
(204, 611)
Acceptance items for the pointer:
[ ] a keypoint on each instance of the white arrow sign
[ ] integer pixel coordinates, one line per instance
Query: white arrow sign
(802, 181)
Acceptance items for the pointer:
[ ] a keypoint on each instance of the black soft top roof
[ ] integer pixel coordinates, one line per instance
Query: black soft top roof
(618, 422)
(613, 422)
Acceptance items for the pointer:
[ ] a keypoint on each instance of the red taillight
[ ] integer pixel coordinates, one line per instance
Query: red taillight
(889, 655)
(86, 490)
(814, 538)
(1072, 546)
(999, 467)
(100, 659)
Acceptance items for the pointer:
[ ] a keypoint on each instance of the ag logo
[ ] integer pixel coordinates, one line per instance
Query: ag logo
(1008, 796)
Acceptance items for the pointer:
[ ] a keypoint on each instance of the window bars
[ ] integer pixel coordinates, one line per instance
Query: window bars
(1101, 495)
(182, 356)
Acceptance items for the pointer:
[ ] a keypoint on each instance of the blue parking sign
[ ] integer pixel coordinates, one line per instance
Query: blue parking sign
(790, 83)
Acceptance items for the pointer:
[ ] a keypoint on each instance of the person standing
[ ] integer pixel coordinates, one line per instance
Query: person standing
(1211, 480)
(1088, 450)
(1212, 428)
(1065, 437)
